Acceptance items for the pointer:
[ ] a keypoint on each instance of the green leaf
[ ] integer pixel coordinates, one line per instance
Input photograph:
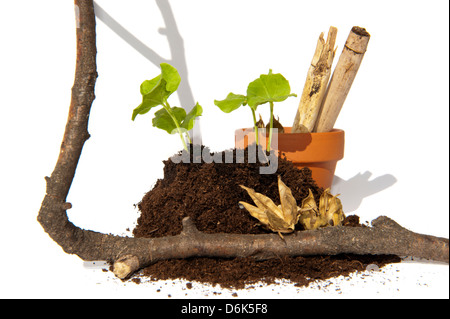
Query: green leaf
(189, 120)
(156, 91)
(171, 77)
(231, 103)
(268, 88)
(139, 110)
(165, 121)
(148, 85)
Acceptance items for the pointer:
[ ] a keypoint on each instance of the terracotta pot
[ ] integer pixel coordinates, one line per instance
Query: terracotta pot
(318, 151)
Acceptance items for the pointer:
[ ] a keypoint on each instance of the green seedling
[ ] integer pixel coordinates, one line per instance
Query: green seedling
(268, 88)
(155, 92)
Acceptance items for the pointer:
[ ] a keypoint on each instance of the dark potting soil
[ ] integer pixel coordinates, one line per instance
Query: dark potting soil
(209, 193)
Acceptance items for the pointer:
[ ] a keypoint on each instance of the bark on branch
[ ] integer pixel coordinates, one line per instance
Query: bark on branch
(130, 254)
(385, 237)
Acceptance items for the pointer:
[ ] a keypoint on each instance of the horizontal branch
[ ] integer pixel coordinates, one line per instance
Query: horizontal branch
(385, 237)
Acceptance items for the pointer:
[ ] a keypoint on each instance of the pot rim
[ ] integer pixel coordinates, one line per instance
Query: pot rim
(308, 147)
(333, 131)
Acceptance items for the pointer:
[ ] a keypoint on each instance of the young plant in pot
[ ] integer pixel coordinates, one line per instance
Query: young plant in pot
(268, 88)
(318, 151)
(311, 141)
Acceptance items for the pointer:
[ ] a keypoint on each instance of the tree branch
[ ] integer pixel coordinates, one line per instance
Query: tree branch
(385, 237)
(130, 254)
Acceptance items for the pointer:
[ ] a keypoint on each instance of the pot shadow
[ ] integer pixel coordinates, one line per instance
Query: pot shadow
(176, 44)
(360, 187)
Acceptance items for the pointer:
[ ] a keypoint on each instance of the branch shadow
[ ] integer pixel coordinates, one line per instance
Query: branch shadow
(176, 45)
(360, 187)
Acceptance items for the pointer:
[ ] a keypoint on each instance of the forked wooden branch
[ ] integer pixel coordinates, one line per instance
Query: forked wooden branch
(130, 254)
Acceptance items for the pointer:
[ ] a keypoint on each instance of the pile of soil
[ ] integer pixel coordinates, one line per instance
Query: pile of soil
(209, 193)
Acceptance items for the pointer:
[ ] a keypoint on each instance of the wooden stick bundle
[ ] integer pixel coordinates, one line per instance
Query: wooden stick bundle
(316, 84)
(342, 79)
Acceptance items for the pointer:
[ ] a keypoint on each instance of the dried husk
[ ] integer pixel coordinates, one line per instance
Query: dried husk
(281, 218)
(284, 217)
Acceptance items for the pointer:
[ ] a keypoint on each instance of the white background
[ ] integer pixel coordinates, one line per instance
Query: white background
(395, 117)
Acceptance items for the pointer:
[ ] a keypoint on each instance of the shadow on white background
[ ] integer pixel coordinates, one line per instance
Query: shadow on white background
(360, 186)
(176, 44)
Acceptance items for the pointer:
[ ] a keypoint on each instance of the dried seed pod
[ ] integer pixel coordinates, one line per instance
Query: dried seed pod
(309, 213)
(284, 217)
(262, 202)
(281, 218)
(288, 203)
(260, 123)
(330, 211)
(276, 124)
(256, 212)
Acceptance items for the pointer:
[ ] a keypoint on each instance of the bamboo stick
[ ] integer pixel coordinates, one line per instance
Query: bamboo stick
(342, 79)
(316, 84)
